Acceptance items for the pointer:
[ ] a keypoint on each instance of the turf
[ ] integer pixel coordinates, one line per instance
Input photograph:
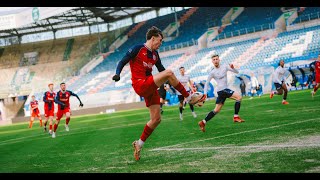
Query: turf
(274, 138)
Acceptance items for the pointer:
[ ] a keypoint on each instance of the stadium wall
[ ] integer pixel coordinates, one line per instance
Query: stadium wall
(96, 110)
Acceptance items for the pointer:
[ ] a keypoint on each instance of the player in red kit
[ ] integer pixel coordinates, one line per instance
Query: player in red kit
(34, 111)
(142, 58)
(48, 99)
(316, 68)
(62, 99)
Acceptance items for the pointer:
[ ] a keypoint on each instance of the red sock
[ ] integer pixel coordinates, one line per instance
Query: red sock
(55, 127)
(146, 133)
(67, 120)
(50, 127)
(182, 90)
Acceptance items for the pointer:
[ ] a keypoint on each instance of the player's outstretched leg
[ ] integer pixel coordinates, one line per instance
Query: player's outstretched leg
(209, 116)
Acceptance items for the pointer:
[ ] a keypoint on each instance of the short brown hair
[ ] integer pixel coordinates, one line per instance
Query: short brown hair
(215, 55)
(153, 31)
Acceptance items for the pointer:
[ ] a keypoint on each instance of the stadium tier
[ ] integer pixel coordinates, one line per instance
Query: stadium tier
(307, 14)
(252, 52)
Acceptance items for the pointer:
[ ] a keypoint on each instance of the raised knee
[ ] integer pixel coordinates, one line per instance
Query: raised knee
(169, 72)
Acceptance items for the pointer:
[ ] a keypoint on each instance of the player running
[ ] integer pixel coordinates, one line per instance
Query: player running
(48, 99)
(279, 82)
(142, 58)
(184, 80)
(219, 73)
(34, 111)
(62, 99)
(316, 68)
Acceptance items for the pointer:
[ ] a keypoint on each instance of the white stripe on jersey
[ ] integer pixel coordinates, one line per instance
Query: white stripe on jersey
(220, 76)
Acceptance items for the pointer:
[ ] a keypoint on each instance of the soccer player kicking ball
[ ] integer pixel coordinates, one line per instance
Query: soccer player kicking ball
(219, 73)
(316, 67)
(62, 99)
(142, 58)
(34, 111)
(279, 82)
(48, 99)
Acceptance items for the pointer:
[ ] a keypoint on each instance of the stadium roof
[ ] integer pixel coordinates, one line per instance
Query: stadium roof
(78, 17)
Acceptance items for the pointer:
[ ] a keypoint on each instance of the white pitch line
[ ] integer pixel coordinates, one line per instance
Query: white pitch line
(241, 147)
(232, 134)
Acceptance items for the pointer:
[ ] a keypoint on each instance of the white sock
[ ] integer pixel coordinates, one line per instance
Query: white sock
(236, 115)
(204, 121)
(140, 142)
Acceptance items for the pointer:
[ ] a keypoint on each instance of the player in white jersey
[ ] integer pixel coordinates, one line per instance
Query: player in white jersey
(186, 82)
(219, 73)
(279, 82)
(254, 85)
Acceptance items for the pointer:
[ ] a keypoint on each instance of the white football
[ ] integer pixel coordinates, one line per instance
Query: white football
(195, 97)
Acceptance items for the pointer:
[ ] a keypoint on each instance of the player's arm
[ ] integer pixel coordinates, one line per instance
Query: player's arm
(45, 98)
(232, 69)
(132, 53)
(191, 85)
(57, 100)
(31, 107)
(73, 94)
(207, 84)
(159, 64)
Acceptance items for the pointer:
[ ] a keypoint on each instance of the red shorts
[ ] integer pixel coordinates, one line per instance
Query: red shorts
(317, 78)
(35, 114)
(48, 112)
(147, 89)
(60, 113)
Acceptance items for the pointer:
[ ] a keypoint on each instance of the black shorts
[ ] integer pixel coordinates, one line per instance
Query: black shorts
(181, 98)
(162, 93)
(223, 95)
(278, 86)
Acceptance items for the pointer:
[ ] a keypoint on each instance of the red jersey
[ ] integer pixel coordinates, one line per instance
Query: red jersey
(34, 104)
(317, 68)
(141, 60)
(64, 98)
(48, 99)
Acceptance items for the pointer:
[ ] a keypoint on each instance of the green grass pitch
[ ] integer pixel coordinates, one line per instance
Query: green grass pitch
(274, 138)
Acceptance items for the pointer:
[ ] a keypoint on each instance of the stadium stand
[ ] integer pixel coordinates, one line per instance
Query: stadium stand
(252, 53)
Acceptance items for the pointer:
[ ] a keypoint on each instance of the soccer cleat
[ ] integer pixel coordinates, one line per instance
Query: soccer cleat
(194, 114)
(50, 131)
(238, 119)
(312, 93)
(202, 125)
(271, 95)
(137, 150)
(67, 127)
(53, 135)
(285, 102)
(181, 117)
